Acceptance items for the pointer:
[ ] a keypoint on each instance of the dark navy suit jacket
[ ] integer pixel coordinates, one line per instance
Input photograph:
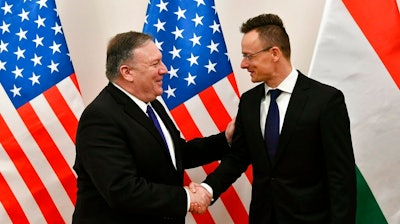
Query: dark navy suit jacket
(125, 174)
(313, 177)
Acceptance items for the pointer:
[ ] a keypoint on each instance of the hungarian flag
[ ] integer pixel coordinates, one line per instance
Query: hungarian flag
(200, 90)
(40, 104)
(358, 51)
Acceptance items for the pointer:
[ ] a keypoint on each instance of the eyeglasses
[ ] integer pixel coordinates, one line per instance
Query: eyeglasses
(250, 56)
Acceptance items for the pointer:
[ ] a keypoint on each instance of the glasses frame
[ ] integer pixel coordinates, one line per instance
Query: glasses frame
(250, 56)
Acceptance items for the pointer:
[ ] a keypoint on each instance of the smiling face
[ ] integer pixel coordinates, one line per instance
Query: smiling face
(261, 64)
(145, 72)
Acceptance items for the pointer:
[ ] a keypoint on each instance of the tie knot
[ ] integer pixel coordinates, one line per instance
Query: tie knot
(274, 93)
(149, 109)
(150, 112)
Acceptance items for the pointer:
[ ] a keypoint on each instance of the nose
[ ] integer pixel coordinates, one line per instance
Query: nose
(244, 63)
(163, 70)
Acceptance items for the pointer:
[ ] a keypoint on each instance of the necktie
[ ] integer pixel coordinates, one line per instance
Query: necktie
(271, 132)
(153, 118)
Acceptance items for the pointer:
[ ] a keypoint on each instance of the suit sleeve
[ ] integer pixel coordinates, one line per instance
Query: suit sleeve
(337, 144)
(201, 151)
(232, 164)
(198, 151)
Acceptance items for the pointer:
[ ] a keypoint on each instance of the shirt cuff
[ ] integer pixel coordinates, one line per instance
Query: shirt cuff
(209, 189)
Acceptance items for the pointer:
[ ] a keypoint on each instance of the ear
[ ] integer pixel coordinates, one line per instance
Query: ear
(276, 53)
(126, 72)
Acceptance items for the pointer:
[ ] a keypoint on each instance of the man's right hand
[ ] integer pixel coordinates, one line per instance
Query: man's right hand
(200, 198)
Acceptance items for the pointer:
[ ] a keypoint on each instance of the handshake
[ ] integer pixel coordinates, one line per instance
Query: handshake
(200, 198)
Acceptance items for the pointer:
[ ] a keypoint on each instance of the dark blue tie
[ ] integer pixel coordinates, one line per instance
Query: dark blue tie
(153, 118)
(271, 133)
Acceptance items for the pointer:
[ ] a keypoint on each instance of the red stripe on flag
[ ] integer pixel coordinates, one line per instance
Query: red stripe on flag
(231, 199)
(249, 174)
(10, 203)
(380, 23)
(62, 110)
(232, 80)
(185, 122)
(29, 175)
(49, 150)
(215, 108)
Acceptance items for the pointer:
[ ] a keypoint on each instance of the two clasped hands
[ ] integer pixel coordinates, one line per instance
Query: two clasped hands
(200, 198)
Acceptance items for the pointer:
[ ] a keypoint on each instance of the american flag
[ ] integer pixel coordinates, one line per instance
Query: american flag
(200, 90)
(40, 106)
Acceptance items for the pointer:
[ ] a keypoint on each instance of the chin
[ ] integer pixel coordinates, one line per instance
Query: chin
(160, 92)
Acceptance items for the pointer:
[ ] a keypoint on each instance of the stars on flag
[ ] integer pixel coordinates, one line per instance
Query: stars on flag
(40, 21)
(199, 89)
(198, 20)
(180, 13)
(193, 59)
(24, 15)
(33, 52)
(188, 34)
(162, 5)
(6, 8)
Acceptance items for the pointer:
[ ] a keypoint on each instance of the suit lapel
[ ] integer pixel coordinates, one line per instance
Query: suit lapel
(169, 124)
(134, 111)
(296, 105)
(252, 112)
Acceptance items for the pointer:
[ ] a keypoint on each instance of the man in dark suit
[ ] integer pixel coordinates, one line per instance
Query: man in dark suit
(308, 176)
(127, 171)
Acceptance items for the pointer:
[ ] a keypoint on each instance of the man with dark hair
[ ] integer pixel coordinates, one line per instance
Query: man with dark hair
(294, 131)
(130, 157)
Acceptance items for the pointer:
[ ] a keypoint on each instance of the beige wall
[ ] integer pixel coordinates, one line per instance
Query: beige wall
(89, 24)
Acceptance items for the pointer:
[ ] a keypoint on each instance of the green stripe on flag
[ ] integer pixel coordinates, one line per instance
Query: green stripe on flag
(368, 210)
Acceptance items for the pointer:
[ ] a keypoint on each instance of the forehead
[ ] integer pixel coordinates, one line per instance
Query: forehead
(250, 40)
(147, 52)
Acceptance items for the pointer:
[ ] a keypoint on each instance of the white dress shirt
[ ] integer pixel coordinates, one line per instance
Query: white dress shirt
(286, 86)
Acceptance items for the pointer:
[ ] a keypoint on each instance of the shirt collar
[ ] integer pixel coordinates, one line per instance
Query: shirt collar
(287, 85)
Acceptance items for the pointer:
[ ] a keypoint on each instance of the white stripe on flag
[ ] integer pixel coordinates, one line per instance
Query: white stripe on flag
(34, 155)
(189, 218)
(219, 213)
(19, 189)
(72, 96)
(54, 127)
(345, 59)
(227, 95)
(200, 116)
(66, 148)
(243, 189)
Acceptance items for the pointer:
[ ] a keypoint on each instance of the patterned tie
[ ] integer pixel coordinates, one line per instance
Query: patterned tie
(271, 133)
(153, 118)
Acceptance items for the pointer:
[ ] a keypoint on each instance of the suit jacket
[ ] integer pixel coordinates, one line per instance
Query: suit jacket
(125, 174)
(313, 177)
